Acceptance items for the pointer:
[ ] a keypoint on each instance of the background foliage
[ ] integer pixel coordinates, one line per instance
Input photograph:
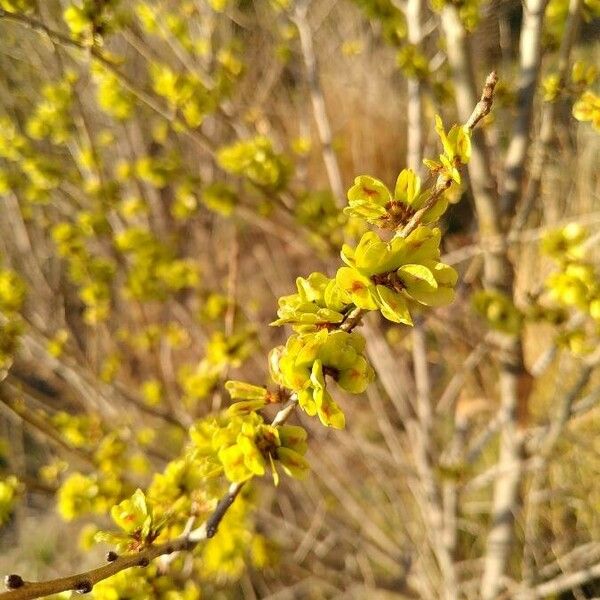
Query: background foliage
(168, 170)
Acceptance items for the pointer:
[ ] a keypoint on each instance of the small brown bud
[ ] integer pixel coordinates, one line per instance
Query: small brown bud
(83, 587)
(13, 581)
(111, 556)
(144, 562)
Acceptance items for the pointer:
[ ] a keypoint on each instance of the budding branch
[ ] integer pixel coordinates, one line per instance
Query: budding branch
(85, 581)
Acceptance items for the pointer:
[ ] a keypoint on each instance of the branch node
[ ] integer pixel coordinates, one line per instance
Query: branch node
(111, 556)
(13, 581)
(83, 587)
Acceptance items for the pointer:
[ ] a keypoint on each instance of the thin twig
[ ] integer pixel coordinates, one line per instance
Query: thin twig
(318, 101)
(484, 106)
(443, 182)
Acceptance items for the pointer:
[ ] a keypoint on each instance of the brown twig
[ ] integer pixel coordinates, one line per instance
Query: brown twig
(317, 99)
(25, 590)
(484, 106)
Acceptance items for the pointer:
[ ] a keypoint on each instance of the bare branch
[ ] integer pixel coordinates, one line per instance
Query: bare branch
(84, 581)
(562, 583)
(318, 102)
(546, 134)
(530, 57)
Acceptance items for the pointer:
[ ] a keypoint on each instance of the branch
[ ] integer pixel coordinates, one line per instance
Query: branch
(481, 109)
(530, 57)
(498, 274)
(85, 581)
(514, 237)
(514, 380)
(318, 102)
(482, 182)
(38, 422)
(562, 583)
(484, 106)
(546, 135)
(433, 510)
(40, 27)
(414, 111)
(548, 443)
(442, 538)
